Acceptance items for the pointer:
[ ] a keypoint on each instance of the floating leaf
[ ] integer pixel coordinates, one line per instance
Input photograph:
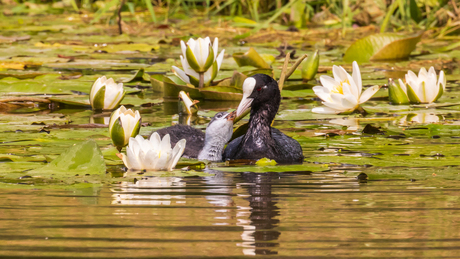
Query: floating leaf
(82, 158)
(383, 46)
(138, 77)
(265, 162)
(220, 96)
(250, 58)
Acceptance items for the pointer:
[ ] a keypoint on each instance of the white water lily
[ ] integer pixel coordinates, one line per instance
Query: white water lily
(424, 88)
(124, 123)
(152, 154)
(199, 60)
(106, 94)
(343, 93)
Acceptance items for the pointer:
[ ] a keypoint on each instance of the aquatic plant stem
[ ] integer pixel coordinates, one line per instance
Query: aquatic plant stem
(361, 111)
(201, 83)
(296, 64)
(283, 71)
(120, 30)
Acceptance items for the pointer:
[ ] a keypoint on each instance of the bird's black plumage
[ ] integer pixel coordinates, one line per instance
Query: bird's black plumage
(261, 140)
(194, 137)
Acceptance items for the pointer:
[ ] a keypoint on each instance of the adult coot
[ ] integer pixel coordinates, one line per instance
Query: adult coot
(261, 93)
(203, 146)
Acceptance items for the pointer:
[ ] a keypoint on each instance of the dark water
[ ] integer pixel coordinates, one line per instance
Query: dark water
(235, 215)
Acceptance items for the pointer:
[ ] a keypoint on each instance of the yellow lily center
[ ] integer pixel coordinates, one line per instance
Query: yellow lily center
(338, 89)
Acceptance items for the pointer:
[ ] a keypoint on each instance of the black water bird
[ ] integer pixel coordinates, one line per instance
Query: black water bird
(261, 93)
(203, 146)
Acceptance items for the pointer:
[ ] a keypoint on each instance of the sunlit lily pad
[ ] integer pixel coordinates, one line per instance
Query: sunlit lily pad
(384, 46)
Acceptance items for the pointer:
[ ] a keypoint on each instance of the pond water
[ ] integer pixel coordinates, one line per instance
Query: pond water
(297, 214)
(381, 185)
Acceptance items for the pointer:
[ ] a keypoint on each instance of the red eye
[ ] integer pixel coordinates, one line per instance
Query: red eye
(258, 89)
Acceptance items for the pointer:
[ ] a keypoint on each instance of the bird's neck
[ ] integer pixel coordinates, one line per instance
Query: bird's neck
(213, 147)
(259, 130)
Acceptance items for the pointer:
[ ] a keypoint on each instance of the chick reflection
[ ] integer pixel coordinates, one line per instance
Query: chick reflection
(220, 184)
(259, 234)
(149, 190)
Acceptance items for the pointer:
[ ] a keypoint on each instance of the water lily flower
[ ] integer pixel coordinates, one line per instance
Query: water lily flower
(152, 154)
(124, 123)
(106, 94)
(343, 93)
(424, 88)
(200, 61)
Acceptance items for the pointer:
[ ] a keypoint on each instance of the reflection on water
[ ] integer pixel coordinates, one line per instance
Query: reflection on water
(149, 191)
(236, 214)
(259, 235)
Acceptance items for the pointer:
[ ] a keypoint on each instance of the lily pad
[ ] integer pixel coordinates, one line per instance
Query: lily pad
(83, 158)
(383, 46)
(250, 58)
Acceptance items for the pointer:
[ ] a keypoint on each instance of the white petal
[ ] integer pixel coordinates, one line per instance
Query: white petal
(207, 76)
(403, 86)
(368, 93)
(353, 87)
(422, 74)
(183, 47)
(328, 82)
(215, 47)
(347, 89)
(155, 140)
(150, 159)
(349, 101)
(323, 93)
(125, 161)
(191, 43)
(96, 86)
(188, 69)
(357, 77)
(201, 51)
(176, 153)
(340, 74)
(181, 74)
(219, 59)
(431, 86)
(165, 144)
(442, 80)
(163, 159)
(133, 156)
(325, 110)
(335, 105)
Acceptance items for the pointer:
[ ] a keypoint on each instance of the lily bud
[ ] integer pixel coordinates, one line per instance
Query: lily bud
(397, 93)
(186, 104)
(106, 94)
(124, 123)
(310, 66)
(199, 57)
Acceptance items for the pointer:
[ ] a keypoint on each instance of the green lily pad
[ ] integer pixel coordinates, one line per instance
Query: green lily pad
(250, 58)
(383, 46)
(82, 158)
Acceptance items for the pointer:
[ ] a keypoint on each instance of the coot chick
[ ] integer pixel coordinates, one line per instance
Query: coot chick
(203, 146)
(261, 93)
